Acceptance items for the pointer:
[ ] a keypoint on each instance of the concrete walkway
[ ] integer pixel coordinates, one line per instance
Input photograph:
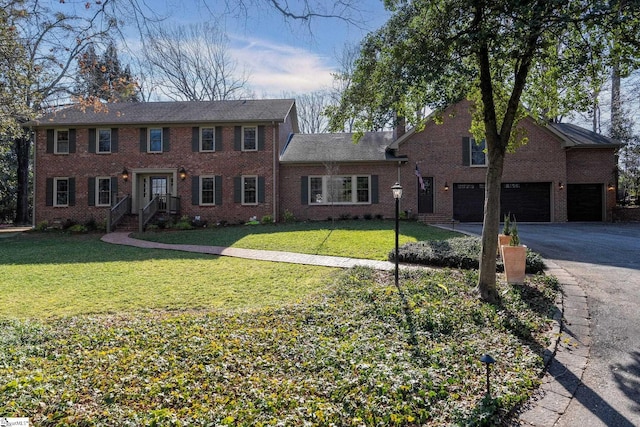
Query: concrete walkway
(565, 357)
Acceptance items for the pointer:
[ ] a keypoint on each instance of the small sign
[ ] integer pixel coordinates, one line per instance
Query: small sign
(14, 422)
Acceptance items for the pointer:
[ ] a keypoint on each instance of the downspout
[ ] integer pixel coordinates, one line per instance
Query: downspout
(276, 150)
(35, 187)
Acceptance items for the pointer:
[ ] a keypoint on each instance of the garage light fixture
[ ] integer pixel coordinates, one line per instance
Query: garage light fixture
(446, 186)
(611, 187)
(560, 186)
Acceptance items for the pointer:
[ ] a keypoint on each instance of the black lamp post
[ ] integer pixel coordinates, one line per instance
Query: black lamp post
(488, 361)
(397, 194)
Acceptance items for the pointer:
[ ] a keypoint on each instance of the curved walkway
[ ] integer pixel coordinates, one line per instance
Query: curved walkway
(565, 358)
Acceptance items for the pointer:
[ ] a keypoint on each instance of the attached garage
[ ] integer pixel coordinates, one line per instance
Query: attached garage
(527, 201)
(585, 202)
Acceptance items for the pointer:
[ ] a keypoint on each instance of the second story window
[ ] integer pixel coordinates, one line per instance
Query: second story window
(155, 140)
(62, 141)
(104, 140)
(249, 138)
(207, 139)
(478, 153)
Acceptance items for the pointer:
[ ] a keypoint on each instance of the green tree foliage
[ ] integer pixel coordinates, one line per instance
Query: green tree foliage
(504, 55)
(104, 78)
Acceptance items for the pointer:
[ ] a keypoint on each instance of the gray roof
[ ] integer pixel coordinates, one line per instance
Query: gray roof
(576, 136)
(174, 112)
(337, 147)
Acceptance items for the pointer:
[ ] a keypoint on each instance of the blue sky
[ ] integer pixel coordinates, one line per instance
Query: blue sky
(281, 56)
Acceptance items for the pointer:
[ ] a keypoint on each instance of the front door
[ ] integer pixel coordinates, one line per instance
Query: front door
(158, 186)
(425, 196)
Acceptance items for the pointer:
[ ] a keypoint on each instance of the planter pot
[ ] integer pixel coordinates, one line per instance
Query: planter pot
(503, 239)
(515, 263)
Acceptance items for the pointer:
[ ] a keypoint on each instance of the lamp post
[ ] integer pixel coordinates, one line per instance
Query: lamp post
(488, 361)
(397, 194)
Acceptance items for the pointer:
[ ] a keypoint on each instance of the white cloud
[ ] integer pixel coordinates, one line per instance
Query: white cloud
(275, 68)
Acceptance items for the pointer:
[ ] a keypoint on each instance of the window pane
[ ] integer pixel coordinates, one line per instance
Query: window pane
(155, 140)
(62, 192)
(207, 191)
(363, 189)
(340, 189)
(250, 138)
(477, 153)
(315, 192)
(208, 139)
(249, 190)
(104, 191)
(104, 140)
(62, 141)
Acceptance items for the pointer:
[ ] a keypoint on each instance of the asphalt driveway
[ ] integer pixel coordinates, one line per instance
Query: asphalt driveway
(605, 260)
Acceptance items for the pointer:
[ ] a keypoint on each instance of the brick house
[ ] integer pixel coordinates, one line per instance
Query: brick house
(232, 160)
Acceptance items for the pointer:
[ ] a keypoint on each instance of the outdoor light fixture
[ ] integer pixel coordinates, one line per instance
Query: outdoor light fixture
(560, 185)
(182, 173)
(125, 174)
(446, 186)
(610, 187)
(488, 361)
(397, 194)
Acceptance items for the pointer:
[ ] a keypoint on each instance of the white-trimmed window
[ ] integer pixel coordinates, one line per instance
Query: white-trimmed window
(478, 152)
(249, 190)
(60, 192)
(208, 190)
(103, 191)
(103, 142)
(155, 140)
(62, 141)
(340, 189)
(250, 138)
(208, 139)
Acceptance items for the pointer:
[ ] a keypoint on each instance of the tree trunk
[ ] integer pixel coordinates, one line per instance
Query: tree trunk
(22, 148)
(491, 225)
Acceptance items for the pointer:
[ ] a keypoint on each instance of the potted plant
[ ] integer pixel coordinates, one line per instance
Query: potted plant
(514, 257)
(505, 237)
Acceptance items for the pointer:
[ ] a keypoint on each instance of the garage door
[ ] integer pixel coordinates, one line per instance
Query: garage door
(584, 202)
(527, 202)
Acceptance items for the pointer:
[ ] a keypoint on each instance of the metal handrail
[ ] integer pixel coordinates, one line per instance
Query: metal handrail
(117, 212)
(148, 212)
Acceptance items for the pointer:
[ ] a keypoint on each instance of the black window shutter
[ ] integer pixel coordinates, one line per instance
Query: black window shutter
(50, 140)
(218, 140)
(72, 140)
(165, 139)
(218, 195)
(72, 191)
(466, 151)
(91, 193)
(261, 131)
(114, 141)
(237, 189)
(195, 139)
(304, 190)
(195, 190)
(374, 189)
(261, 189)
(92, 140)
(237, 138)
(114, 188)
(143, 140)
(49, 194)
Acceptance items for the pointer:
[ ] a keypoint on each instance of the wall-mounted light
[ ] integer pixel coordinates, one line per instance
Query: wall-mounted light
(446, 186)
(182, 173)
(125, 174)
(610, 187)
(560, 186)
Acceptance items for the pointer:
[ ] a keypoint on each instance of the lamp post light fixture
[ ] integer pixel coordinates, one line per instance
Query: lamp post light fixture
(397, 194)
(488, 361)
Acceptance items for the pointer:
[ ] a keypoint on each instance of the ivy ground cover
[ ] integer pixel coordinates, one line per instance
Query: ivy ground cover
(361, 352)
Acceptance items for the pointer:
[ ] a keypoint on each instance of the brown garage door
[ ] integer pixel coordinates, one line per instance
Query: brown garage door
(527, 201)
(584, 202)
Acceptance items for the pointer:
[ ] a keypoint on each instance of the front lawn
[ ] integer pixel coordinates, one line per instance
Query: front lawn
(168, 338)
(356, 238)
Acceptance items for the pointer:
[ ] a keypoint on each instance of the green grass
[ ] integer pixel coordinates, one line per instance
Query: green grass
(358, 239)
(52, 275)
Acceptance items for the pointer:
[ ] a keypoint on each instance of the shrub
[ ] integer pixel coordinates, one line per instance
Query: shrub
(345, 216)
(91, 224)
(288, 216)
(77, 228)
(459, 252)
(67, 224)
(42, 226)
(267, 219)
(183, 224)
(367, 217)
